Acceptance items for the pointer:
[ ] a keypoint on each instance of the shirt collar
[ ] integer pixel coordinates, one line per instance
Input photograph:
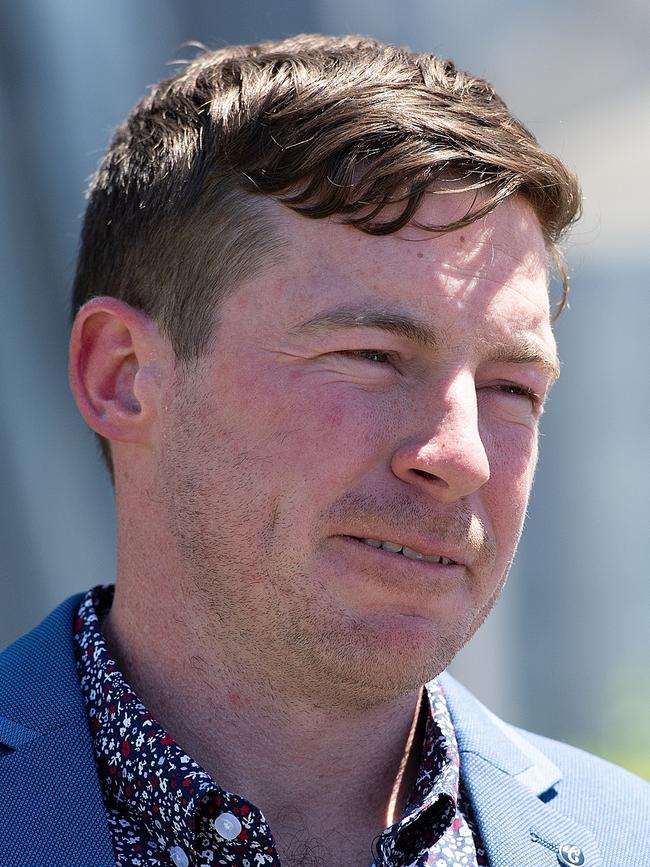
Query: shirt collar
(432, 804)
(141, 767)
(144, 770)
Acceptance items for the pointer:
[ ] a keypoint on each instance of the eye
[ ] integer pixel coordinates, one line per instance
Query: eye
(520, 390)
(509, 388)
(376, 356)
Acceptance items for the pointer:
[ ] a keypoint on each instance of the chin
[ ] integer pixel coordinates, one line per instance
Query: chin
(391, 656)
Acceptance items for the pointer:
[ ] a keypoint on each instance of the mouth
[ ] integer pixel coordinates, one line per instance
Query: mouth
(404, 550)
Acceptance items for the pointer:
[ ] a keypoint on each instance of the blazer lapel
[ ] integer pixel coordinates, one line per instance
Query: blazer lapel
(517, 828)
(506, 778)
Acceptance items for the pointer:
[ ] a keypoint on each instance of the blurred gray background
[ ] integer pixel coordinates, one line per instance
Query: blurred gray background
(567, 651)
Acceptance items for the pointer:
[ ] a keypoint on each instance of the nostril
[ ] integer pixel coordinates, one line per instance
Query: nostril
(425, 474)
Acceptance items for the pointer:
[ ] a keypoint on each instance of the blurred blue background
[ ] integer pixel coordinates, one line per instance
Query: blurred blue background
(567, 652)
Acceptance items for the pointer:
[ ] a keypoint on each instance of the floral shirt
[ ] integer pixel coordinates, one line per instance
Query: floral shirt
(164, 809)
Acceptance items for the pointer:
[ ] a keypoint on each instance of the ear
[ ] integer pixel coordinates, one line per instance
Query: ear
(116, 361)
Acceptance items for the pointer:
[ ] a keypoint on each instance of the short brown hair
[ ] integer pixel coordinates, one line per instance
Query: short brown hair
(327, 125)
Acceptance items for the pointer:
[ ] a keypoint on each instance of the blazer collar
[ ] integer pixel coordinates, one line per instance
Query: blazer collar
(505, 777)
(39, 687)
(50, 798)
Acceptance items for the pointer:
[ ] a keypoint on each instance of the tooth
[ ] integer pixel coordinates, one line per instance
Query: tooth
(391, 546)
(432, 559)
(445, 561)
(411, 554)
(374, 543)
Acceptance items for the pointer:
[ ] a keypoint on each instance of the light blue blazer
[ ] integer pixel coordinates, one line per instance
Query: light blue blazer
(537, 802)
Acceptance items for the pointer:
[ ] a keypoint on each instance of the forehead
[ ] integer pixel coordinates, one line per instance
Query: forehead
(492, 272)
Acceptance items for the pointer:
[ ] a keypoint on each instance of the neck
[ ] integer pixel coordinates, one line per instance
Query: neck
(327, 764)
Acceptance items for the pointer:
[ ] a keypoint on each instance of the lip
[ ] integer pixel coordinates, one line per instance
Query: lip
(428, 548)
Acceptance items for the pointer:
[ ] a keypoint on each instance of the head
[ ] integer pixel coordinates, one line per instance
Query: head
(320, 270)
(329, 126)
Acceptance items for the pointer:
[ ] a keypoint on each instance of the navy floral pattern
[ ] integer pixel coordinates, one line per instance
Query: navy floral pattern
(163, 809)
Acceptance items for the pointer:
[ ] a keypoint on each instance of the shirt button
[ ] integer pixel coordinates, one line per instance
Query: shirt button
(227, 826)
(570, 856)
(179, 858)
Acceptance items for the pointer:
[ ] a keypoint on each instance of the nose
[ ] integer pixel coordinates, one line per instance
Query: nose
(446, 457)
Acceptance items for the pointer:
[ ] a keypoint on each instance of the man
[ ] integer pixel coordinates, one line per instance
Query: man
(313, 332)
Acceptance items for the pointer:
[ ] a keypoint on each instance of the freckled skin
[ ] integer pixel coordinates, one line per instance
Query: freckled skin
(278, 446)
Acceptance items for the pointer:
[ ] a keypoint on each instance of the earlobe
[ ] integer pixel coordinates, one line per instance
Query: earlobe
(110, 345)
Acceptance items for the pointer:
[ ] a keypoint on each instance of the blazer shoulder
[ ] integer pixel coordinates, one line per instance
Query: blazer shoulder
(578, 764)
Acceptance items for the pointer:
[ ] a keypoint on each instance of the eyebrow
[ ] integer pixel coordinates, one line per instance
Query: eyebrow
(361, 316)
(518, 349)
(523, 350)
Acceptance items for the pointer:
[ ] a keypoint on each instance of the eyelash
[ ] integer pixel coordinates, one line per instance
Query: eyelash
(362, 354)
(520, 390)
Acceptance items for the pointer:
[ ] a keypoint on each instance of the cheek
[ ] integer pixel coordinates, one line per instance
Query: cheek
(297, 432)
(316, 417)
(512, 454)
(339, 438)
(512, 451)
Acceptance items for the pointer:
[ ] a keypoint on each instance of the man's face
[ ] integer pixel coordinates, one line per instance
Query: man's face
(378, 388)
